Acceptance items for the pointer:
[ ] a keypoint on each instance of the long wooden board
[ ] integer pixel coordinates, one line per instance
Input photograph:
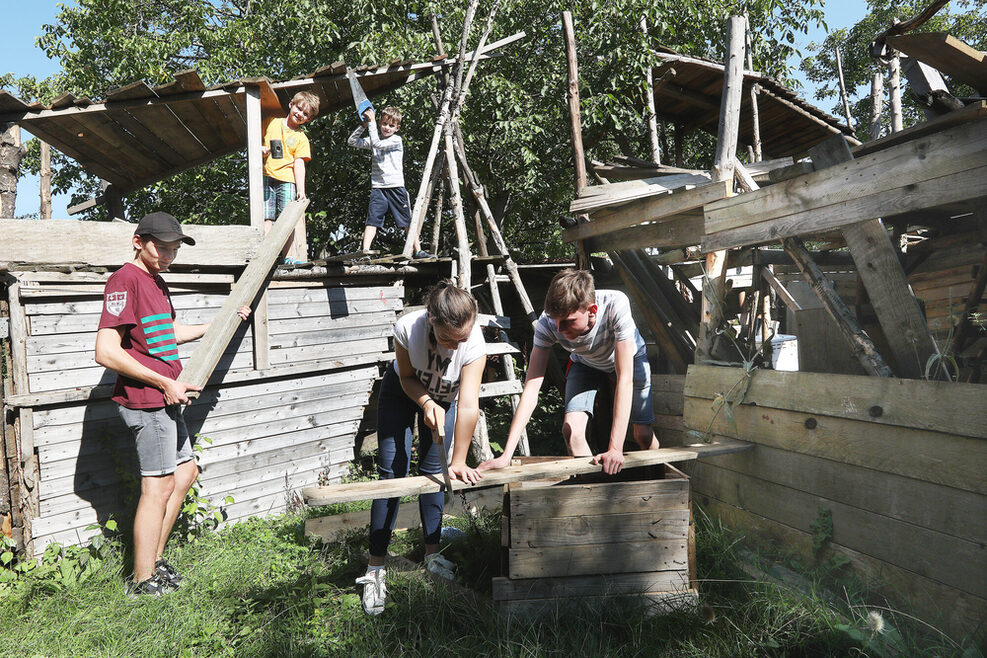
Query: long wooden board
(554, 469)
(587, 529)
(650, 209)
(946, 407)
(626, 557)
(109, 243)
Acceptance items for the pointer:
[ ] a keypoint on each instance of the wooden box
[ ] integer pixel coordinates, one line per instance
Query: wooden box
(589, 543)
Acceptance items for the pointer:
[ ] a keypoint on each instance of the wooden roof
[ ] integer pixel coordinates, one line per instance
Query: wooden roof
(691, 97)
(139, 135)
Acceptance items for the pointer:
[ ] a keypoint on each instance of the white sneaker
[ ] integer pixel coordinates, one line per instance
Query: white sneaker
(374, 591)
(440, 566)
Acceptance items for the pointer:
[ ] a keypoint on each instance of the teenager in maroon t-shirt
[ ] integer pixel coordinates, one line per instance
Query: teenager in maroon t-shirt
(138, 339)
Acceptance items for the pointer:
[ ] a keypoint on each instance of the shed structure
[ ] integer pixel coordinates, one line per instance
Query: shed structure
(878, 253)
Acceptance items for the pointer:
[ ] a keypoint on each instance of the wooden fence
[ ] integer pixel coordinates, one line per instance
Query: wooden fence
(264, 433)
(899, 465)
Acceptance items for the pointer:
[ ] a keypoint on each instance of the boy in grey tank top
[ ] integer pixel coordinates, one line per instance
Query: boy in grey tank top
(596, 328)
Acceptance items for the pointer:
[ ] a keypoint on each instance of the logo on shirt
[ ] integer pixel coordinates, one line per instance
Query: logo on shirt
(116, 302)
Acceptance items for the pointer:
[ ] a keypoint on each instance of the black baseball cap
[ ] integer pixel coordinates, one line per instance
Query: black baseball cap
(162, 226)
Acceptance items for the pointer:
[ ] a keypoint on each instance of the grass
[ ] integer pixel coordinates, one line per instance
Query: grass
(261, 588)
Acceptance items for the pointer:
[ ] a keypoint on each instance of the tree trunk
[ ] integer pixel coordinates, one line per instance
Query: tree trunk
(11, 153)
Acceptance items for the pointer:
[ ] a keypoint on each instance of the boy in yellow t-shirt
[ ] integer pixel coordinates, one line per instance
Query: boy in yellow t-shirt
(286, 150)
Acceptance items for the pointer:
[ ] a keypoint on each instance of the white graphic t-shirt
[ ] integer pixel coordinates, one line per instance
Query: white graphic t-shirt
(437, 368)
(596, 348)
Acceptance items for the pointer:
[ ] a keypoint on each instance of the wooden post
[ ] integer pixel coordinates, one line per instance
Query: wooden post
(895, 93)
(755, 91)
(879, 268)
(572, 94)
(210, 349)
(714, 284)
(45, 208)
(876, 104)
(437, 222)
(649, 92)
(456, 201)
(463, 88)
(11, 153)
(843, 94)
(861, 345)
(575, 126)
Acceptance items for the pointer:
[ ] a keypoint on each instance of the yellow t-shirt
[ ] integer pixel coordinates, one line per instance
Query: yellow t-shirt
(294, 144)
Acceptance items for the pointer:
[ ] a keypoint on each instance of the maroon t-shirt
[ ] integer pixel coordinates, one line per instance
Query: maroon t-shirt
(139, 302)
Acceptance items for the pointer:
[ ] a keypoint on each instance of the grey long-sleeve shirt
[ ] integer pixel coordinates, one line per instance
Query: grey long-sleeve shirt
(386, 156)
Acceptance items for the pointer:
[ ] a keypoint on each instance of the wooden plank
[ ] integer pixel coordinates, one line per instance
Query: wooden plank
(18, 327)
(947, 54)
(649, 210)
(667, 393)
(951, 561)
(950, 408)
(950, 460)
(210, 348)
(585, 529)
(109, 243)
(681, 231)
(945, 167)
(498, 389)
(421, 484)
(878, 266)
(597, 197)
(601, 499)
(626, 557)
(936, 507)
(650, 604)
(972, 112)
(505, 589)
(944, 607)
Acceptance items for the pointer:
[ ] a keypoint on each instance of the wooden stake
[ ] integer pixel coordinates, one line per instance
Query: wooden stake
(755, 92)
(649, 92)
(843, 94)
(572, 94)
(895, 92)
(876, 104)
(437, 222)
(45, 209)
(456, 201)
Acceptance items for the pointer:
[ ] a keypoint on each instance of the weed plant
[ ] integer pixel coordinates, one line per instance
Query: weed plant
(261, 588)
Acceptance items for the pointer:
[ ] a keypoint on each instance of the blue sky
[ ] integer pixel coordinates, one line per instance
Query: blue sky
(19, 55)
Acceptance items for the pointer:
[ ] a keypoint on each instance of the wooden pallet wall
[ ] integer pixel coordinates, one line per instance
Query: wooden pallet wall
(263, 434)
(901, 465)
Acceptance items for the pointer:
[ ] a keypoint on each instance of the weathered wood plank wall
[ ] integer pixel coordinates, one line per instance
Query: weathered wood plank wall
(901, 465)
(269, 432)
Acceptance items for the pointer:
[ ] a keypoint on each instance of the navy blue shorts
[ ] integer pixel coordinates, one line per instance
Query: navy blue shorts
(393, 199)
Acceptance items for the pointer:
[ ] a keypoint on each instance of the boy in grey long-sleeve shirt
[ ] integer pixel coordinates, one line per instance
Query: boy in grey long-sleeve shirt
(387, 192)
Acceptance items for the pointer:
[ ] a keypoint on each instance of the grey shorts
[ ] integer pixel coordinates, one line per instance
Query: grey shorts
(161, 437)
(582, 382)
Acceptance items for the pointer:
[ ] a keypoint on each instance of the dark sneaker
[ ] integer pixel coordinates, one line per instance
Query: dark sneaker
(150, 587)
(422, 254)
(165, 573)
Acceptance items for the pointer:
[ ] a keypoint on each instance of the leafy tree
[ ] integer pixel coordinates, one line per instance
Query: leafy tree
(515, 121)
(964, 19)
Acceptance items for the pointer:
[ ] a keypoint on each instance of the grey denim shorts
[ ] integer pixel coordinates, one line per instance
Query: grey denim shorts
(161, 437)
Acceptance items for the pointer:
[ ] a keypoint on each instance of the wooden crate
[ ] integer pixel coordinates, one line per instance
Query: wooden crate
(589, 543)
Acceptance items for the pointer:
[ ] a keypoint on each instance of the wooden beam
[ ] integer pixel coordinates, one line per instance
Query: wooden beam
(650, 96)
(947, 54)
(561, 468)
(945, 167)
(780, 288)
(878, 265)
(210, 349)
(650, 209)
(861, 345)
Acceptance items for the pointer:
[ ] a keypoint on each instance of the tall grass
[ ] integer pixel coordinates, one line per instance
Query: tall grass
(261, 588)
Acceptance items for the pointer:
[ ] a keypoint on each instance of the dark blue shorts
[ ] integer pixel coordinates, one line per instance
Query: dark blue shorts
(393, 199)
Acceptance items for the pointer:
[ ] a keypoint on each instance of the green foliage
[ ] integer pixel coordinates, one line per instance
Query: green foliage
(822, 529)
(198, 514)
(61, 567)
(515, 122)
(964, 19)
